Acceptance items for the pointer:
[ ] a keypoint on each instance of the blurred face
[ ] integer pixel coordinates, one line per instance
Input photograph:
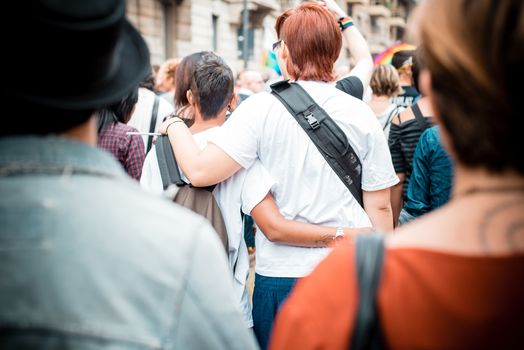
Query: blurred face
(163, 82)
(254, 82)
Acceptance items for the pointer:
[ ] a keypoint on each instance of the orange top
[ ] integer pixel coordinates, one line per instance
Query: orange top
(426, 300)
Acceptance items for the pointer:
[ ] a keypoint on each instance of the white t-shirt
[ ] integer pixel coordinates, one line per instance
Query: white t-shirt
(306, 188)
(141, 118)
(229, 195)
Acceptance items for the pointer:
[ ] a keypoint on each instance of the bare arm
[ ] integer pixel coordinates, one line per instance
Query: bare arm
(396, 198)
(280, 230)
(202, 167)
(357, 45)
(378, 207)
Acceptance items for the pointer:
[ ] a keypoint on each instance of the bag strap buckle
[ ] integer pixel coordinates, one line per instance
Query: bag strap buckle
(313, 122)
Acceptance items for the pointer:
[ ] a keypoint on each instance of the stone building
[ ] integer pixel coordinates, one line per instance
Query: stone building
(382, 22)
(175, 28)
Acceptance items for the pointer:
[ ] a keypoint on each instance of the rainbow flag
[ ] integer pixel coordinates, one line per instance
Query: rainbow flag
(269, 59)
(386, 56)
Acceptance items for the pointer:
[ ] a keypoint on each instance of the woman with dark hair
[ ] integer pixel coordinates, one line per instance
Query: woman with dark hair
(113, 135)
(452, 279)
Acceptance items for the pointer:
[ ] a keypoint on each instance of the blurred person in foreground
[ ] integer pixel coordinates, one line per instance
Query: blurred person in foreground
(88, 260)
(452, 279)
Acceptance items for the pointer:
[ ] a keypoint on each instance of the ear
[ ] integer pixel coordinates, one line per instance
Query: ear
(190, 98)
(233, 103)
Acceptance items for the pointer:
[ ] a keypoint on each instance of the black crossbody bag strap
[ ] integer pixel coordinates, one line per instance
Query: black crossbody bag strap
(168, 165)
(369, 261)
(152, 123)
(326, 135)
(422, 122)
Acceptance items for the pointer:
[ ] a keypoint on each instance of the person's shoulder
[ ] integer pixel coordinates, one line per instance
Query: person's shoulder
(404, 116)
(351, 85)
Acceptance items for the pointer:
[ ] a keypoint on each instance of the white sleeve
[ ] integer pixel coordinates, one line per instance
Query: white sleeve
(151, 180)
(377, 167)
(240, 134)
(257, 184)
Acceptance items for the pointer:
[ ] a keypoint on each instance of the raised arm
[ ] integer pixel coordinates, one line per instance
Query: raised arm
(280, 230)
(357, 45)
(204, 167)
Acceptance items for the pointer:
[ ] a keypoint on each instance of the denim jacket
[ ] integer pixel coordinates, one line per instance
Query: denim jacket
(90, 261)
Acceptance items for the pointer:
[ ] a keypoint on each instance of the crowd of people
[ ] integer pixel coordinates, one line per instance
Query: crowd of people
(427, 253)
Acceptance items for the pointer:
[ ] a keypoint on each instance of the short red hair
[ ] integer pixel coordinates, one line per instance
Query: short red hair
(313, 39)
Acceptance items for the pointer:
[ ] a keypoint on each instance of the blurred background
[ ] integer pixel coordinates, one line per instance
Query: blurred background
(241, 31)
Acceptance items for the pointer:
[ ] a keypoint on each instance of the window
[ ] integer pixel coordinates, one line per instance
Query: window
(374, 24)
(214, 26)
(350, 10)
(250, 42)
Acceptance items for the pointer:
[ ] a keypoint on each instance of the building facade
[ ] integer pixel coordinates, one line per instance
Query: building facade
(176, 28)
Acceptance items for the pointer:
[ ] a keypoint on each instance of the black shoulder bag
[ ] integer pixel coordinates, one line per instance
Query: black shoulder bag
(369, 261)
(168, 165)
(327, 136)
(423, 123)
(152, 123)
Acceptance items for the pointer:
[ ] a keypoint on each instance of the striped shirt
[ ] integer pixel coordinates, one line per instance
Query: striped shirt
(403, 139)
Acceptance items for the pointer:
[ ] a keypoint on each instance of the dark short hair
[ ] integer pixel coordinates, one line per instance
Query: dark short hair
(401, 57)
(476, 78)
(119, 111)
(212, 85)
(417, 67)
(149, 81)
(124, 107)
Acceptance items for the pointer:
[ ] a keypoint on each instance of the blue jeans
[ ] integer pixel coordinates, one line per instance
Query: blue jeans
(405, 217)
(269, 294)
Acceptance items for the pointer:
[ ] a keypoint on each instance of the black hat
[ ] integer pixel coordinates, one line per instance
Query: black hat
(71, 54)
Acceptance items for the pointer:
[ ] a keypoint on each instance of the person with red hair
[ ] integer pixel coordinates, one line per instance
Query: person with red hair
(306, 188)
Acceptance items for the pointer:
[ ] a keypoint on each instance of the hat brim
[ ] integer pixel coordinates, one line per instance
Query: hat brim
(133, 66)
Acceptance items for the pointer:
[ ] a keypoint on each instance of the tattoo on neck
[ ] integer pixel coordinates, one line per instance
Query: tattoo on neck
(510, 229)
(511, 234)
